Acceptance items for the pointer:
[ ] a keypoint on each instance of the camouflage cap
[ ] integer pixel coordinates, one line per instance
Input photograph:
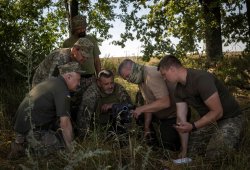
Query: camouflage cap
(86, 46)
(79, 21)
(70, 67)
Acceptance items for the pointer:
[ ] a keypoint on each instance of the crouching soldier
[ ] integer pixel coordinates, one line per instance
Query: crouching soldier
(100, 98)
(43, 118)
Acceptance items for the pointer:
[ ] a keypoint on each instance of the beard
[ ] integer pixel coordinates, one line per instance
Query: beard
(109, 91)
(82, 34)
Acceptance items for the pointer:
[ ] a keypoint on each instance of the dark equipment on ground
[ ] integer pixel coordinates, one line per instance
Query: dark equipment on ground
(123, 112)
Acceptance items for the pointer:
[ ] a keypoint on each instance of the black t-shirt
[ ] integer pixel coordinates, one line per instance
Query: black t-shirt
(200, 85)
(45, 103)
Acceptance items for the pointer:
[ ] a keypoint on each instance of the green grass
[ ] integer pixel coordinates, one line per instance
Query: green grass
(98, 152)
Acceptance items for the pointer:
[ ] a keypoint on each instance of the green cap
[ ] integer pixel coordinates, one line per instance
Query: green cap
(70, 67)
(86, 46)
(79, 21)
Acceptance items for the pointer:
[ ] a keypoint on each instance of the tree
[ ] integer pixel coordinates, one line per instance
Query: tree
(212, 19)
(29, 24)
(186, 20)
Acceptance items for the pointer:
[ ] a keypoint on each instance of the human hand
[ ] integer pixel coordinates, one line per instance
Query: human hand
(183, 127)
(137, 112)
(106, 107)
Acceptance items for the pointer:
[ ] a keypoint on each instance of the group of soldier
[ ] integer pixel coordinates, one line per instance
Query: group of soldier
(70, 91)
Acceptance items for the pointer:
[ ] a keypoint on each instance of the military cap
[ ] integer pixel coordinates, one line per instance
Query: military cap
(86, 46)
(79, 21)
(70, 67)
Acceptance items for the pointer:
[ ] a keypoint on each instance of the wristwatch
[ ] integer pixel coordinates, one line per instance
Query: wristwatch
(194, 128)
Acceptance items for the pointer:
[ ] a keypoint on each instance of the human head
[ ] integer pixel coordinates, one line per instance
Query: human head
(131, 71)
(168, 67)
(105, 81)
(71, 72)
(79, 25)
(81, 50)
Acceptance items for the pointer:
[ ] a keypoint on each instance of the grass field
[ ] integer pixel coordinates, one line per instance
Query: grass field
(98, 152)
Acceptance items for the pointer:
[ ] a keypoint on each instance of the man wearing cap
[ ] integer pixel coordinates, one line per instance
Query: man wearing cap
(98, 99)
(43, 118)
(159, 103)
(93, 65)
(80, 52)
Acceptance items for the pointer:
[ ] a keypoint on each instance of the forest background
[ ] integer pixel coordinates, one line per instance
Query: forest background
(29, 30)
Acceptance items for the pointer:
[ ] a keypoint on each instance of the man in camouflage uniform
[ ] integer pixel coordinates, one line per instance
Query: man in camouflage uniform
(93, 65)
(43, 118)
(98, 99)
(221, 121)
(80, 52)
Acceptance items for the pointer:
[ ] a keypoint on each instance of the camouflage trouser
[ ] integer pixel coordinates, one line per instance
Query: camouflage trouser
(77, 96)
(42, 142)
(86, 110)
(217, 139)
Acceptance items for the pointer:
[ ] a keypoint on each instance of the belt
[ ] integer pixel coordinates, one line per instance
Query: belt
(87, 75)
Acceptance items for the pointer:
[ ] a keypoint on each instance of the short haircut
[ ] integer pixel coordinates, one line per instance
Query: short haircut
(105, 74)
(167, 61)
(123, 64)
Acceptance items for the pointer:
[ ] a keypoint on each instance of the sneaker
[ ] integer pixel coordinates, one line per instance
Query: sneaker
(17, 151)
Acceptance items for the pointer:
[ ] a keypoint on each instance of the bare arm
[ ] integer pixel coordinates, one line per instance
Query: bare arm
(155, 106)
(215, 113)
(147, 122)
(67, 131)
(97, 64)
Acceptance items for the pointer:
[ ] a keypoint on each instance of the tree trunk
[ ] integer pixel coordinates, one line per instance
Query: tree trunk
(248, 20)
(73, 8)
(212, 16)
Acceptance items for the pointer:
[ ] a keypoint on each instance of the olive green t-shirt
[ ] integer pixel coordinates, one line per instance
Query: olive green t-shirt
(89, 64)
(200, 85)
(48, 101)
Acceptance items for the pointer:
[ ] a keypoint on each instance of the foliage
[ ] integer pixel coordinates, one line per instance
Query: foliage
(99, 152)
(30, 24)
(177, 19)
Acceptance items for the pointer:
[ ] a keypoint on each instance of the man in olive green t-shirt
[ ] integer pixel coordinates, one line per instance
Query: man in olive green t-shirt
(91, 66)
(43, 118)
(221, 122)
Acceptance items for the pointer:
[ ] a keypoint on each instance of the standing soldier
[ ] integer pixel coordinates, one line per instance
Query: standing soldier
(93, 65)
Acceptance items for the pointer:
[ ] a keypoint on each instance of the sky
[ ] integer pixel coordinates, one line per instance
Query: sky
(133, 48)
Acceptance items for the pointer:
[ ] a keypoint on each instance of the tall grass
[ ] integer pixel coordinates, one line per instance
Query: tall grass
(98, 151)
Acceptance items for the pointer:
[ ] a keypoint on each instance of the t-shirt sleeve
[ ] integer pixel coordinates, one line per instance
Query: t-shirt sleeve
(177, 96)
(96, 50)
(62, 103)
(206, 86)
(158, 86)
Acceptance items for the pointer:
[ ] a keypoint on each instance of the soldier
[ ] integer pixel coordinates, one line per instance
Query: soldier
(159, 101)
(221, 123)
(93, 65)
(99, 99)
(80, 52)
(43, 118)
